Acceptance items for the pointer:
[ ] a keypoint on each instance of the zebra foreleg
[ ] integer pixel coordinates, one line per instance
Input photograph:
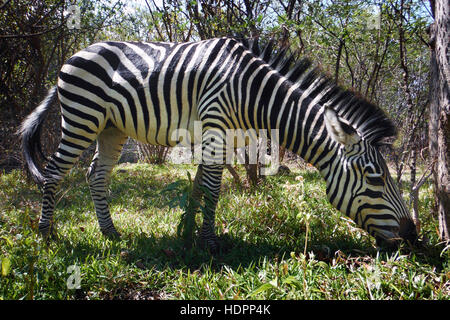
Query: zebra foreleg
(109, 146)
(208, 184)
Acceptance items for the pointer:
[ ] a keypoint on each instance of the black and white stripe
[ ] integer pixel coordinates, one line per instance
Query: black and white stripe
(114, 90)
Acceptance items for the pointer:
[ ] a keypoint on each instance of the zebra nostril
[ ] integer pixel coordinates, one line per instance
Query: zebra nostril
(389, 244)
(395, 230)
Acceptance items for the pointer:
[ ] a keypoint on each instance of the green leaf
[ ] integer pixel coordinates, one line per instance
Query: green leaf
(293, 281)
(8, 241)
(259, 19)
(262, 288)
(6, 266)
(189, 179)
(274, 282)
(183, 200)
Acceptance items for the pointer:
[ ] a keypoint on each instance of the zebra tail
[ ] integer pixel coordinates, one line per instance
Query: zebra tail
(30, 133)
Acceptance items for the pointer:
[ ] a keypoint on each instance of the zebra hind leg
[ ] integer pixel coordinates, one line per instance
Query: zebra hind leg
(69, 150)
(109, 146)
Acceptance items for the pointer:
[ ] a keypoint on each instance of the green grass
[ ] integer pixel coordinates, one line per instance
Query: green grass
(284, 240)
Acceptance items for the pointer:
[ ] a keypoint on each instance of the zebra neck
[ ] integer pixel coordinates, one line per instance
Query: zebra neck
(299, 119)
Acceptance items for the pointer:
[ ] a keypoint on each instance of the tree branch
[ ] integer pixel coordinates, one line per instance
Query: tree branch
(18, 36)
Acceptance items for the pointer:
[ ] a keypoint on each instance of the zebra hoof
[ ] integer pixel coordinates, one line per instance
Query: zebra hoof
(48, 233)
(111, 234)
(211, 245)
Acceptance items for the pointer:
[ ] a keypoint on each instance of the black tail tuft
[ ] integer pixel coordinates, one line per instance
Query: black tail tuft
(30, 133)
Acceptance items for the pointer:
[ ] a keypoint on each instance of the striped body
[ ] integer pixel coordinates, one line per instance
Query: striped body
(114, 90)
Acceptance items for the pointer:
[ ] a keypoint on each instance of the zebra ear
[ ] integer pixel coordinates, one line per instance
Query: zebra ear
(339, 130)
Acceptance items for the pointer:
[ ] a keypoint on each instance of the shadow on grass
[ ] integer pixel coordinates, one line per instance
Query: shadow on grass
(149, 252)
(167, 252)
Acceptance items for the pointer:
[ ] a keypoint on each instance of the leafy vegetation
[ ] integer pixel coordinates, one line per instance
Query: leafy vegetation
(283, 239)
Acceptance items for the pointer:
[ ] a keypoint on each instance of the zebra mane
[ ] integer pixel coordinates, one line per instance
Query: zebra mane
(368, 119)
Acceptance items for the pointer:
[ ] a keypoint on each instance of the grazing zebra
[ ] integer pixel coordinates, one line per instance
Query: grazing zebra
(114, 90)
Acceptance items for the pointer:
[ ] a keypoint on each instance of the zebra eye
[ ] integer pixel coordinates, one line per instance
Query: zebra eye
(372, 170)
(375, 179)
(373, 176)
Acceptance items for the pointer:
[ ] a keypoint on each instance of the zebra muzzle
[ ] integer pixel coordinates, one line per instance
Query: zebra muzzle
(408, 231)
(405, 233)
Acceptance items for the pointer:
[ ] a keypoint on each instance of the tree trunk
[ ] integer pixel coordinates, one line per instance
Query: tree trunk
(414, 196)
(235, 175)
(338, 61)
(252, 171)
(439, 127)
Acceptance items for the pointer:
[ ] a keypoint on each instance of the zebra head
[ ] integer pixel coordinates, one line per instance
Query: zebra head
(360, 186)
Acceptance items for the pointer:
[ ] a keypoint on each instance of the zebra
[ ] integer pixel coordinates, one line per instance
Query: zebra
(146, 90)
